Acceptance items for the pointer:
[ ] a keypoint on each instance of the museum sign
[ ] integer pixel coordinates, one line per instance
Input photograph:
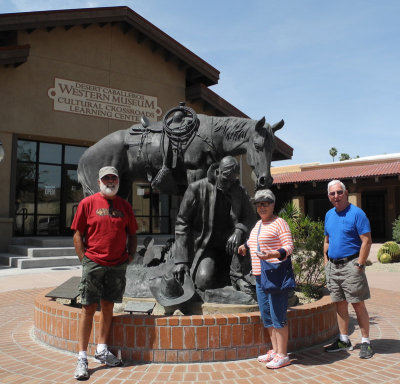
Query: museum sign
(96, 100)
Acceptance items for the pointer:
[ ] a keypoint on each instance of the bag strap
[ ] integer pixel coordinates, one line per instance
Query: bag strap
(258, 234)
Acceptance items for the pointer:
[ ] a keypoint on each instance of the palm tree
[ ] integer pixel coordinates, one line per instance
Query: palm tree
(333, 153)
(344, 156)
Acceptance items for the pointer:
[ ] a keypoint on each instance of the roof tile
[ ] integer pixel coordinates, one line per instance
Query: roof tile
(348, 172)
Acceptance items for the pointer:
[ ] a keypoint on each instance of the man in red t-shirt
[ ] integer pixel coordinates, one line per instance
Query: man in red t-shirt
(105, 242)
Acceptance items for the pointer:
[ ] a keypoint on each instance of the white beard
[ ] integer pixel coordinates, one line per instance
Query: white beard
(107, 190)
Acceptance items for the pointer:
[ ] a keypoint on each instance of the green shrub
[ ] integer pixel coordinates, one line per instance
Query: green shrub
(396, 230)
(308, 258)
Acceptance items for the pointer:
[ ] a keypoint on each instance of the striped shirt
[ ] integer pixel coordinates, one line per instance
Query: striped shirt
(274, 234)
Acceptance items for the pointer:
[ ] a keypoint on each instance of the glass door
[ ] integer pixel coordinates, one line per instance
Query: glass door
(71, 195)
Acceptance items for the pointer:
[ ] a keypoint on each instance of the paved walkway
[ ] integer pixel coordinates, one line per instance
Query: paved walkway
(24, 360)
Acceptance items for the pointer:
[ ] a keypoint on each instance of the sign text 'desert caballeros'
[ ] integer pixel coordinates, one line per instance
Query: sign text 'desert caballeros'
(96, 100)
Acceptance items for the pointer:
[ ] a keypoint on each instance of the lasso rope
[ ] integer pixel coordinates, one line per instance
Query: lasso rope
(182, 135)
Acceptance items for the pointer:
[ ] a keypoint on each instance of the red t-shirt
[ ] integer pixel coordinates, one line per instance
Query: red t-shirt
(105, 230)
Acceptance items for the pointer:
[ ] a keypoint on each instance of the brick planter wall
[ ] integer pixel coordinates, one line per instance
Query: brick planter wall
(183, 339)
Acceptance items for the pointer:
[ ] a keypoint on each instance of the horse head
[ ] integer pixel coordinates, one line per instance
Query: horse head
(259, 151)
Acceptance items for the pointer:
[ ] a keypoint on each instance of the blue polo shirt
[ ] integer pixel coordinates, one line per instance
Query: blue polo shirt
(344, 229)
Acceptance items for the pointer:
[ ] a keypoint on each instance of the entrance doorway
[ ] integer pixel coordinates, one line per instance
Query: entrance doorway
(47, 189)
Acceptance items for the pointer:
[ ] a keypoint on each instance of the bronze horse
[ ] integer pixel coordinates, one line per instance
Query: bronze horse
(137, 152)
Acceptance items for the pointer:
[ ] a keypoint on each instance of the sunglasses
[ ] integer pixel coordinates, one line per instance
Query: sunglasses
(109, 177)
(339, 193)
(263, 204)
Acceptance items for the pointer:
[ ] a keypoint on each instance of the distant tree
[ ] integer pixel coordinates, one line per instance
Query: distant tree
(344, 156)
(333, 153)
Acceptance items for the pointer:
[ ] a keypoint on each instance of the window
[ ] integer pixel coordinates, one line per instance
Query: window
(43, 187)
(152, 209)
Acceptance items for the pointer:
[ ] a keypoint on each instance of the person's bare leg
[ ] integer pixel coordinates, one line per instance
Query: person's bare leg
(85, 325)
(342, 314)
(106, 316)
(272, 336)
(362, 318)
(281, 336)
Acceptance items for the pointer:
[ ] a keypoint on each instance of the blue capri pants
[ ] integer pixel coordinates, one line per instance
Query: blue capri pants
(273, 306)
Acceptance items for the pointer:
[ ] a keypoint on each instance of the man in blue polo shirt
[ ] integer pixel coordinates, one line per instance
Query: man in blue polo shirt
(346, 249)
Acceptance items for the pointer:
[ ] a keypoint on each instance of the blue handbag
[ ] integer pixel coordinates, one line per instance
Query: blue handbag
(276, 277)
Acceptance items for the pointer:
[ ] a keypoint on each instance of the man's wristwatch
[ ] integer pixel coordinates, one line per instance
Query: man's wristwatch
(360, 265)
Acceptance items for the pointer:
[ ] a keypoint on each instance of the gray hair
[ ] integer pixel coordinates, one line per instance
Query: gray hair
(333, 182)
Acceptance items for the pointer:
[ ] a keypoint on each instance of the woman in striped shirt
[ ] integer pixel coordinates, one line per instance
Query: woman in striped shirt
(270, 240)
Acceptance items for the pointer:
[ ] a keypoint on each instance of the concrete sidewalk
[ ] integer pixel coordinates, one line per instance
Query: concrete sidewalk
(24, 360)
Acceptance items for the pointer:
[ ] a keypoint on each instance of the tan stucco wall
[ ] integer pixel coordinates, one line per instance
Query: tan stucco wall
(101, 56)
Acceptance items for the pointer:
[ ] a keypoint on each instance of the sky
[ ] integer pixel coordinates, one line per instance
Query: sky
(330, 69)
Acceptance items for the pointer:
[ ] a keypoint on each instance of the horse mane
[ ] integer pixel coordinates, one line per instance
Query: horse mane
(233, 128)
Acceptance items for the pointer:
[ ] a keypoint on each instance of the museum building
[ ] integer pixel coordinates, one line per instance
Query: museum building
(68, 78)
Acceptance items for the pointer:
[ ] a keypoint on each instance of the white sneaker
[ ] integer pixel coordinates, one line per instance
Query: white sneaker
(279, 361)
(269, 356)
(106, 357)
(82, 370)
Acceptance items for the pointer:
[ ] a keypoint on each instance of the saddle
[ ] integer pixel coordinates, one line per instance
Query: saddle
(178, 128)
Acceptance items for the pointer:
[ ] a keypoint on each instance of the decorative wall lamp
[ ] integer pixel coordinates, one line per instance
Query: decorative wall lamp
(1, 151)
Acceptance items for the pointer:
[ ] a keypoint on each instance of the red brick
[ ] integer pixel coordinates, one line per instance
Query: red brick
(226, 336)
(189, 339)
(207, 355)
(220, 319)
(159, 356)
(130, 336)
(65, 328)
(195, 356)
(214, 337)
(137, 320)
(149, 320)
(209, 320)
(171, 356)
(185, 320)
(151, 336)
(165, 337)
(237, 335)
(136, 355)
(161, 321)
(140, 337)
(73, 329)
(248, 334)
(258, 330)
(197, 320)
(118, 335)
(242, 353)
(183, 356)
(230, 354)
(201, 337)
(173, 321)
(147, 355)
(177, 338)
(233, 319)
(219, 355)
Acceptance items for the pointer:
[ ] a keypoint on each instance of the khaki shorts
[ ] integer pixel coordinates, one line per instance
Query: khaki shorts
(346, 282)
(101, 282)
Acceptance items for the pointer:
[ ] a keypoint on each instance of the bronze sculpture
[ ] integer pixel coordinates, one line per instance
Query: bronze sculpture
(192, 153)
(137, 152)
(214, 218)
